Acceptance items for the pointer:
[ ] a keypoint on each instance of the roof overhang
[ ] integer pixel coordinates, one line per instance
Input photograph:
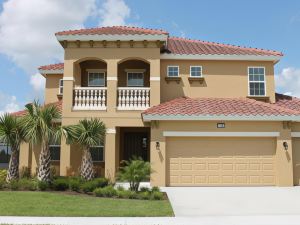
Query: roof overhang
(275, 59)
(148, 118)
(102, 37)
(45, 72)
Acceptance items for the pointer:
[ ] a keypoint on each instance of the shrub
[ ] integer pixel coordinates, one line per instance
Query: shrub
(2, 184)
(144, 195)
(43, 185)
(145, 189)
(135, 171)
(120, 188)
(133, 195)
(90, 186)
(14, 185)
(74, 184)
(157, 195)
(60, 184)
(3, 174)
(25, 172)
(155, 189)
(123, 193)
(27, 184)
(108, 191)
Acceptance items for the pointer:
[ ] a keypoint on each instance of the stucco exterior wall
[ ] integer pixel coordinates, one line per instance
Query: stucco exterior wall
(52, 87)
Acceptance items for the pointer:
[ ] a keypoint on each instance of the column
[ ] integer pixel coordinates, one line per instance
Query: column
(284, 158)
(154, 82)
(65, 158)
(25, 156)
(112, 84)
(68, 80)
(110, 154)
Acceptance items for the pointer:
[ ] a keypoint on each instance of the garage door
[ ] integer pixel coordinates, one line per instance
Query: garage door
(226, 161)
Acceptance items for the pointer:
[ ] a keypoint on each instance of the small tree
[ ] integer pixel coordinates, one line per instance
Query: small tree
(135, 171)
(86, 133)
(12, 133)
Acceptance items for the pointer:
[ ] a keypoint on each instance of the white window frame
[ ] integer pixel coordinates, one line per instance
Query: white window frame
(59, 151)
(201, 74)
(168, 69)
(139, 72)
(259, 67)
(60, 86)
(96, 71)
(97, 146)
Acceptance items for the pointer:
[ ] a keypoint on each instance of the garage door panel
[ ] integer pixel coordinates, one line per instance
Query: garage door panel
(199, 162)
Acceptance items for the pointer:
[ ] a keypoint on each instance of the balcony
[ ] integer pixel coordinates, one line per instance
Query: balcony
(90, 98)
(130, 98)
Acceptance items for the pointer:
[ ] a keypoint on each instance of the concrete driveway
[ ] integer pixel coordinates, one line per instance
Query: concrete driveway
(234, 201)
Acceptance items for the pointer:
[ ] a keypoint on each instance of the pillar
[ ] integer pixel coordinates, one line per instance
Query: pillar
(112, 85)
(110, 154)
(154, 82)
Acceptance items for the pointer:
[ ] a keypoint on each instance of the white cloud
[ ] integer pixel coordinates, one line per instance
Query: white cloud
(38, 82)
(114, 12)
(8, 104)
(288, 81)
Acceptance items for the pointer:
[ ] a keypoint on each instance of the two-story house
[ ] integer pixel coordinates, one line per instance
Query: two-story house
(203, 113)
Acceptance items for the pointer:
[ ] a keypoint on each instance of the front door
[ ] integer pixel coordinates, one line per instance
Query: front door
(136, 144)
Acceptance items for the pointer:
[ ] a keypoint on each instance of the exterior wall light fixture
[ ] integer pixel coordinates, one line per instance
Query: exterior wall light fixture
(285, 145)
(157, 145)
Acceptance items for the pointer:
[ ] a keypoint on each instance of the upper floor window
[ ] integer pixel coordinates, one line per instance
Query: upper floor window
(173, 71)
(96, 79)
(97, 153)
(61, 86)
(257, 83)
(54, 148)
(196, 71)
(135, 79)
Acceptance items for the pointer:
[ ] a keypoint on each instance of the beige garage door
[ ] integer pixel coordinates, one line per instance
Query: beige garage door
(227, 161)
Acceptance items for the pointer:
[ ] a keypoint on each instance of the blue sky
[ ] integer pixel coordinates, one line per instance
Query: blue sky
(29, 33)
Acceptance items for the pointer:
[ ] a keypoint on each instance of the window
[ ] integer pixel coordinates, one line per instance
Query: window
(256, 81)
(96, 79)
(97, 153)
(54, 149)
(5, 153)
(135, 79)
(196, 71)
(173, 71)
(61, 86)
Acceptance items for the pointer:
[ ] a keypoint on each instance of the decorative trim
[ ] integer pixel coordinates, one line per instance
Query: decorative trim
(102, 37)
(51, 71)
(96, 70)
(219, 134)
(135, 70)
(111, 131)
(68, 78)
(221, 57)
(223, 117)
(295, 134)
(154, 78)
(112, 78)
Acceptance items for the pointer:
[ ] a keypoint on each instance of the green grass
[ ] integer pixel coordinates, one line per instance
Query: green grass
(23, 203)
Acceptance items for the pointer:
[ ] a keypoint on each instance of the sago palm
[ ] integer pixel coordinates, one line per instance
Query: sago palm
(40, 128)
(86, 133)
(12, 133)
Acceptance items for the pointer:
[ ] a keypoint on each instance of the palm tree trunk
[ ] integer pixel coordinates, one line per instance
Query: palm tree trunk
(44, 164)
(87, 167)
(13, 168)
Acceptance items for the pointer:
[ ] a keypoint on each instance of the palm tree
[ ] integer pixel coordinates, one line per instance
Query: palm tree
(12, 133)
(86, 133)
(40, 128)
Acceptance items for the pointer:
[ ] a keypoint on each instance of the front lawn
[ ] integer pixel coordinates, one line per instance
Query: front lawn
(59, 204)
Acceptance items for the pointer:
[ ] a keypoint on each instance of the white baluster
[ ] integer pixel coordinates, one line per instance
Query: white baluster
(79, 98)
(76, 98)
(143, 98)
(139, 99)
(147, 98)
(126, 92)
(135, 93)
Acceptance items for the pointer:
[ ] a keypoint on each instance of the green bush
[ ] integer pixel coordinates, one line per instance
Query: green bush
(90, 186)
(2, 184)
(14, 185)
(146, 195)
(120, 188)
(157, 195)
(108, 191)
(123, 194)
(60, 184)
(155, 189)
(3, 174)
(133, 195)
(43, 185)
(28, 184)
(25, 172)
(145, 189)
(135, 171)
(74, 184)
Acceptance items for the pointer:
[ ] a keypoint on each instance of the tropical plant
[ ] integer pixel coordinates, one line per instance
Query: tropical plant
(86, 133)
(41, 128)
(12, 133)
(135, 171)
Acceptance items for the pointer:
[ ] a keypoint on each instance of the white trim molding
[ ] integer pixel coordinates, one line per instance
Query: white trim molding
(96, 70)
(68, 78)
(219, 134)
(112, 78)
(219, 118)
(135, 70)
(45, 72)
(154, 78)
(102, 37)
(295, 134)
(111, 131)
(221, 57)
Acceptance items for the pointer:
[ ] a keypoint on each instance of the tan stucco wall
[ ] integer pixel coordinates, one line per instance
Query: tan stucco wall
(52, 88)
(221, 79)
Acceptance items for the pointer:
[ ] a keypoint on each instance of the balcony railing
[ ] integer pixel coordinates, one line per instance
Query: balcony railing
(130, 98)
(89, 98)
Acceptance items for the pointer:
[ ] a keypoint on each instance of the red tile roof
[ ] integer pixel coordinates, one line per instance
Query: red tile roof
(114, 30)
(23, 112)
(185, 106)
(196, 47)
(57, 66)
(288, 102)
